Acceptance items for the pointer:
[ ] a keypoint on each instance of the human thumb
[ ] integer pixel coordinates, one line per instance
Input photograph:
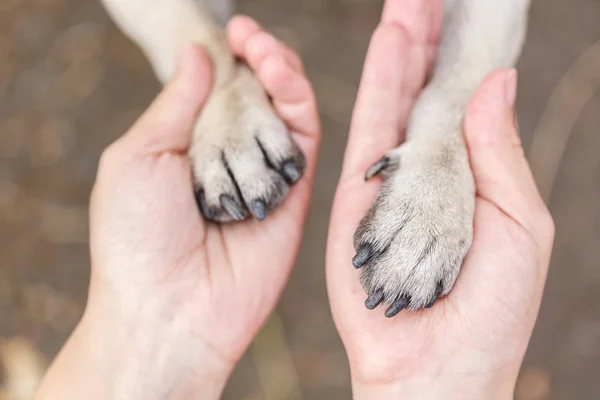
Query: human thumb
(501, 171)
(167, 124)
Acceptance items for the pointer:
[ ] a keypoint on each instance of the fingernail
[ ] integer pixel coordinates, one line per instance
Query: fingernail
(510, 87)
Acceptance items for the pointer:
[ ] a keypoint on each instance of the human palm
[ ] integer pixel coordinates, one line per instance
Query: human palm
(485, 323)
(150, 245)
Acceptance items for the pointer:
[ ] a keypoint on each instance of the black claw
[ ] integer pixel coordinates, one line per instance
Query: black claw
(377, 168)
(290, 172)
(229, 204)
(203, 205)
(363, 256)
(398, 305)
(259, 209)
(438, 292)
(374, 300)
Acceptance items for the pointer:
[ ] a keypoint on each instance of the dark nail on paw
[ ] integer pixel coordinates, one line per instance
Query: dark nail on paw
(398, 305)
(374, 300)
(290, 172)
(203, 205)
(259, 209)
(234, 209)
(377, 168)
(438, 292)
(363, 256)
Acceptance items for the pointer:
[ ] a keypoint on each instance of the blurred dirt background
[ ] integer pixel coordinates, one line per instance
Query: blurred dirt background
(70, 83)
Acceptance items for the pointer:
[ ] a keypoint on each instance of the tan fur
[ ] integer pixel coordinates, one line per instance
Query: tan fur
(418, 231)
(421, 225)
(237, 119)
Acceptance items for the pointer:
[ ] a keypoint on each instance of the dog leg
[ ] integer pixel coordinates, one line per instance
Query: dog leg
(243, 156)
(413, 240)
(220, 9)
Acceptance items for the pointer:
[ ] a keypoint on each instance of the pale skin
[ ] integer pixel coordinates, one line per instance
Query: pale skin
(470, 344)
(175, 302)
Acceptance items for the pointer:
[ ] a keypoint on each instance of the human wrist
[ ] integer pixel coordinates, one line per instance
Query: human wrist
(155, 347)
(116, 353)
(432, 388)
(447, 382)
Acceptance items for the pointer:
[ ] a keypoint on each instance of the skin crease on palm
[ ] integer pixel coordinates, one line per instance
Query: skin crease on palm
(159, 272)
(482, 328)
(193, 295)
(204, 263)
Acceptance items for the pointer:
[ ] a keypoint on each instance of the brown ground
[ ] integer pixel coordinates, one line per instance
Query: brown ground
(70, 84)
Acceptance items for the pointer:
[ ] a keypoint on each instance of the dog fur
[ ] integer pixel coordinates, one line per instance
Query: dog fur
(412, 242)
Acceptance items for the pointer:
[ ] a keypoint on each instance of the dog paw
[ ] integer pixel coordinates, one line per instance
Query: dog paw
(243, 156)
(411, 244)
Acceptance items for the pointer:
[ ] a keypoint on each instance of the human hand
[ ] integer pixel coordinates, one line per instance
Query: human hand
(174, 301)
(471, 343)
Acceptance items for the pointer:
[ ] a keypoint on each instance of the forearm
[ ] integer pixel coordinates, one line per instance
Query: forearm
(108, 357)
(179, 23)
